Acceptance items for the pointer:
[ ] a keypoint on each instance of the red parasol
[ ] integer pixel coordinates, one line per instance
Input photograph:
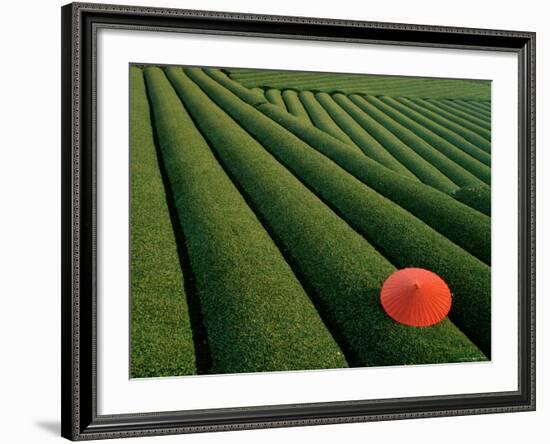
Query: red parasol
(416, 297)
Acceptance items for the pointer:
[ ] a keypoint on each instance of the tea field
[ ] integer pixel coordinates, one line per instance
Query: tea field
(269, 207)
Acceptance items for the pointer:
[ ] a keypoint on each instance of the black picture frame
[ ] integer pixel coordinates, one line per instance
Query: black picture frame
(80, 420)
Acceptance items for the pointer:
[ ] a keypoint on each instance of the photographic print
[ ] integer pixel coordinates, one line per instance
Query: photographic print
(287, 220)
(273, 221)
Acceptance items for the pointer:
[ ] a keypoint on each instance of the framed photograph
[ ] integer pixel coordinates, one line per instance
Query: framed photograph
(280, 221)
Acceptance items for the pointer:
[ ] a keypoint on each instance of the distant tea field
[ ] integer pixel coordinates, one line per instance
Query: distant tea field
(268, 208)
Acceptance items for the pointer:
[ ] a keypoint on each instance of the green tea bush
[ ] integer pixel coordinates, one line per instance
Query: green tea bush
(364, 140)
(160, 330)
(470, 164)
(401, 238)
(479, 136)
(342, 271)
(435, 157)
(256, 314)
(446, 133)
